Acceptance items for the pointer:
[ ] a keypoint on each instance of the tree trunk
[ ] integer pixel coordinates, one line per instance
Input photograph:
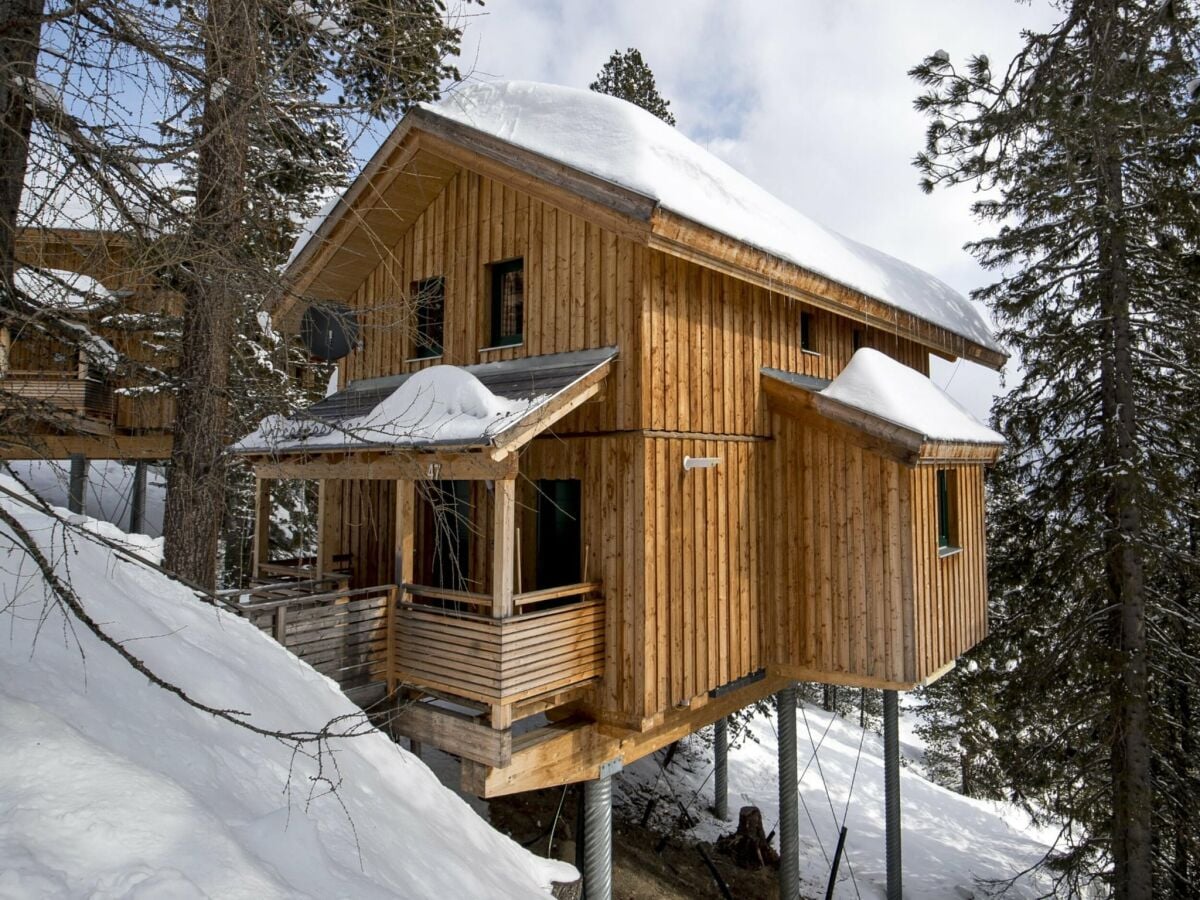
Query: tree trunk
(1131, 838)
(20, 34)
(213, 288)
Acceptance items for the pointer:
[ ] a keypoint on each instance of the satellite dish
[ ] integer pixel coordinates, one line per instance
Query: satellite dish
(329, 330)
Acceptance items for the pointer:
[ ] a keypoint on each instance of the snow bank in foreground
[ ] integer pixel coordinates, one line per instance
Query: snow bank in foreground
(882, 386)
(114, 788)
(951, 843)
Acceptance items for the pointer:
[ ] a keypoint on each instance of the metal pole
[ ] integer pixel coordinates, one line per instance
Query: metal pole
(77, 486)
(597, 830)
(789, 813)
(721, 769)
(891, 792)
(137, 503)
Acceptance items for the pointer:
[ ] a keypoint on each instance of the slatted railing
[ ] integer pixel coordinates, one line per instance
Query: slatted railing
(500, 661)
(343, 634)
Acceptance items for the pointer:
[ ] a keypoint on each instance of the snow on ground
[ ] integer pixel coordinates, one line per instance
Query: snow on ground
(109, 491)
(112, 787)
(950, 842)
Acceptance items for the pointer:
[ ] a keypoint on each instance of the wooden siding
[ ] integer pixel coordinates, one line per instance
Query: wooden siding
(950, 591)
(579, 288)
(703, 529)
(837, 556)
(706, 336)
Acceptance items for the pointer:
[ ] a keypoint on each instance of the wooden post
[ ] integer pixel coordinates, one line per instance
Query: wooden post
(281, 625)
(503, 547)
(262, 522)
(389, 620)
(5, 350)
(326, 528)
(406, 508)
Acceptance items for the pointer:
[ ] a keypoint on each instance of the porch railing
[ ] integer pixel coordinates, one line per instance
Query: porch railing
(499, 661)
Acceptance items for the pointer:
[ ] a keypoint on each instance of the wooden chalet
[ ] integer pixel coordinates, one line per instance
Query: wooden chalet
(57, 397)
(679, 508)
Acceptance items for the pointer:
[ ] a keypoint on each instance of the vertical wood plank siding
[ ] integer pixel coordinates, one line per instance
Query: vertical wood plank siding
(797, 549)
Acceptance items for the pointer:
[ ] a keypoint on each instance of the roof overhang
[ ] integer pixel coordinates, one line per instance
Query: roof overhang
(799, 397)
(575, 377)
(425, 150)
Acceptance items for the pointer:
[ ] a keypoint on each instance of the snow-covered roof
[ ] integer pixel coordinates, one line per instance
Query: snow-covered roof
(440, 406)
(622, 143)
(59, 289)
(887, 389)
(891, 401)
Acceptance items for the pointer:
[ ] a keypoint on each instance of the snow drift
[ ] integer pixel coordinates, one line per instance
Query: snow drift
(113, 787)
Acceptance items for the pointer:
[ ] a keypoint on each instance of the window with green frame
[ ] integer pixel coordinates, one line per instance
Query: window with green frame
(946, 498)
(508, 303)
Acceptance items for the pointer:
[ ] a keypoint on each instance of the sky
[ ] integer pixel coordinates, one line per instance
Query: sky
(810, 99)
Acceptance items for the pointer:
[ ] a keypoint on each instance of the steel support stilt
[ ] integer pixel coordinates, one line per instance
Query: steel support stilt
(789, 813)
(137, 501)
(891, 792)
(721, 769)
(597, 831)
(77, 486)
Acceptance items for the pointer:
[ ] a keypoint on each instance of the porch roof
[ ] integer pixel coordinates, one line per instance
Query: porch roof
(494, 407)
(885, 406)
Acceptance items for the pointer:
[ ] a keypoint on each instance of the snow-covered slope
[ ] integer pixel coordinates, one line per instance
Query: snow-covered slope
(952, 845)
(112, 787)
(625, 145)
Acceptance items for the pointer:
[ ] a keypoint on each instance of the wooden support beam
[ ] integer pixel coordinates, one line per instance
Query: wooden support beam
(262, 523)
(106, 446)
(328, 521)
(366, 465)
(454, 732)
(503, 547)
(848, 679)
(574, 749)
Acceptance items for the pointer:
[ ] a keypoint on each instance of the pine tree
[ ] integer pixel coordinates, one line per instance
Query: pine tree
(627, 76)
(1086, 144)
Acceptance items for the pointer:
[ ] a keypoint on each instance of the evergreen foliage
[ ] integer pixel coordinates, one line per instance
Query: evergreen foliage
(1079, 703)
(627, 76)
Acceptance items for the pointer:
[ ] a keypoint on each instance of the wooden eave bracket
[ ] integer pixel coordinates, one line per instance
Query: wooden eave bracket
(862, 429)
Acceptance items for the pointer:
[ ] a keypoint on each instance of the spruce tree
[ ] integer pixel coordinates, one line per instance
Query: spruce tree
(627, 76)
(1086, 147)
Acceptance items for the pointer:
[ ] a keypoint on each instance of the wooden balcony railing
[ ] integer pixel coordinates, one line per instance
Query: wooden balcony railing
(343, 633)
(499, 661)
(88, 397)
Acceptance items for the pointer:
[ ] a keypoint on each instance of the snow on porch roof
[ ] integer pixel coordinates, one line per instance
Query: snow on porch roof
(490, 405)
(897, 407)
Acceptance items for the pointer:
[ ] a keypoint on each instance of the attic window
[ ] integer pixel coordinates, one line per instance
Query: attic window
(508, 303)
(429, 296)
(947, 513)
(806, 333)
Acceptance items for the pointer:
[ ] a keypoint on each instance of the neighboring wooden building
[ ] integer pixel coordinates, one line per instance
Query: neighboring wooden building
(670, 512)
(60, 393)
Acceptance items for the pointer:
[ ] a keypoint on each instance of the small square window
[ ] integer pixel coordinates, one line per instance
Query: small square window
(947, 512)
(508, 303)
(429, 296)
(806, 332)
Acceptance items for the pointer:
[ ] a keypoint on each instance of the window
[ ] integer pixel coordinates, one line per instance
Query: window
(947, 491)
(508, 303)
(806, 332)
(856, 340)
(559, 536)
(429, 296)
